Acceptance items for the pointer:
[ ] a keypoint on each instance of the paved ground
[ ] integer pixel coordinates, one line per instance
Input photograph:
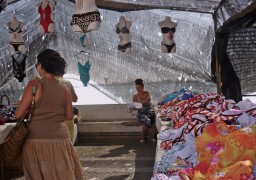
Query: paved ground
(117, 162)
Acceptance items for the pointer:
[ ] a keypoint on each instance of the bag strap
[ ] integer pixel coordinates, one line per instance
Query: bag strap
(35, 83)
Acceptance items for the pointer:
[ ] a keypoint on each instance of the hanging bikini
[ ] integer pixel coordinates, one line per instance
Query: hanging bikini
(45, 17)
(18, 29)
(19, 67)
(123, 30)
(85, 19)
(171, 32)
(84, 71)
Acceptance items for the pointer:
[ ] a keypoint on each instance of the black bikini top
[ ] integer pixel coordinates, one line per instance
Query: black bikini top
(17, 29)
(123, 30)
(167, 29)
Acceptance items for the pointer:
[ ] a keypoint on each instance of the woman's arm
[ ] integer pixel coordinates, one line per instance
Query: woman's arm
(25, 102)
(73, 93)
(68, 106)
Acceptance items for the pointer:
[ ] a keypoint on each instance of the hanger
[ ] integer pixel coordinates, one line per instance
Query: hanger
(83, 52)
(87, 53)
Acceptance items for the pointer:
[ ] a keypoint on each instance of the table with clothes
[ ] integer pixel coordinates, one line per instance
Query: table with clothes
(207, 137)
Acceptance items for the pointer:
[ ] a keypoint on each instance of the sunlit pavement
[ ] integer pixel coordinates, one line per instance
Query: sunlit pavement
(116, 162)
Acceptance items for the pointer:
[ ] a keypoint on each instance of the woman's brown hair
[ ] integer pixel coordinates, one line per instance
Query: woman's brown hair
(139, 82)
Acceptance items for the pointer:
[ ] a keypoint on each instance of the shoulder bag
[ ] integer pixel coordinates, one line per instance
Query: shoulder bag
(12, 146)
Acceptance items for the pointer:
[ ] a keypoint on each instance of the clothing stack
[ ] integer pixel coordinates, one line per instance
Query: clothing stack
(208, 137)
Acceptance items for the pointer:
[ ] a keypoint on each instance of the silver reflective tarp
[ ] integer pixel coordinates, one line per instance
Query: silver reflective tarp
(112, 71)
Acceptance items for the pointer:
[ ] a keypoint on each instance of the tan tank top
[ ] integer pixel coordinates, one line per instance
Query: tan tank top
(48, 117)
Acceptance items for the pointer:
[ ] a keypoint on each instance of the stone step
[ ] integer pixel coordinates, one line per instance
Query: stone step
(109, 163)
(109, 126)
(108, 138)
(110, 120)
(105, 112)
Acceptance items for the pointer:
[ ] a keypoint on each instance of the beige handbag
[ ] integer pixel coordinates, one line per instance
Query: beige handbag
(12, 146)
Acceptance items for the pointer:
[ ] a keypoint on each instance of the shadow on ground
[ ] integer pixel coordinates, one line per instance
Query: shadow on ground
(117, 177)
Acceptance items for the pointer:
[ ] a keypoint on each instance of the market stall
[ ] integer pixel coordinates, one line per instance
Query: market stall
(206, 136)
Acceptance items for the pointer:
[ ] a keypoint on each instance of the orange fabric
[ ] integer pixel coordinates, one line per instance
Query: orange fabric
(224, 153)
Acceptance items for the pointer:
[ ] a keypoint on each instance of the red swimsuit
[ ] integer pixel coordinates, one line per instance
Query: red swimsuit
(45, 17)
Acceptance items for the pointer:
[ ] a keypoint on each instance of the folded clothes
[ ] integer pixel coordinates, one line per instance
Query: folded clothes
(209, 137)
(182, 94)
(245, 105)
(134, 105)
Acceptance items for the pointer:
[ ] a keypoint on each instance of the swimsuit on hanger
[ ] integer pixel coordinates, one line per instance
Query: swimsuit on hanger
(85, 19)
(84, 71)
(169, 47)
(19, 68)
(16, 45)
(3, 4)
(167, 30)
(45, 17)
(17, 29)
(171, 31)
(124, 46)
(123, 30)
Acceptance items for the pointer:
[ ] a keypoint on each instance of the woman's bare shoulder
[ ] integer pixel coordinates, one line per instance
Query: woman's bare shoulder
(146, 92)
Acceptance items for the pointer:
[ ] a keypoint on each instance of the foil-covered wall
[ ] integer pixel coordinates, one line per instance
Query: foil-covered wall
(185, 5)
(242, 53)
(229, 8)
(112, 70)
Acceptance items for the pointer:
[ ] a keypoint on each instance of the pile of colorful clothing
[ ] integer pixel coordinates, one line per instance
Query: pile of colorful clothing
(176, 96)
(7, 110)
(207, 137)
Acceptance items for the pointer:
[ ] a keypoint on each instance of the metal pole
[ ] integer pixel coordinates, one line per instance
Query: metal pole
(218, 66)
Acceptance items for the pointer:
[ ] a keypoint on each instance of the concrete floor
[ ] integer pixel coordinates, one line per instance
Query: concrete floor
(116, 162)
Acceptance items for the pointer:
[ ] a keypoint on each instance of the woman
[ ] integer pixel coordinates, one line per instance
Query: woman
(48, 152)
(146, 114)
(70, 124)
